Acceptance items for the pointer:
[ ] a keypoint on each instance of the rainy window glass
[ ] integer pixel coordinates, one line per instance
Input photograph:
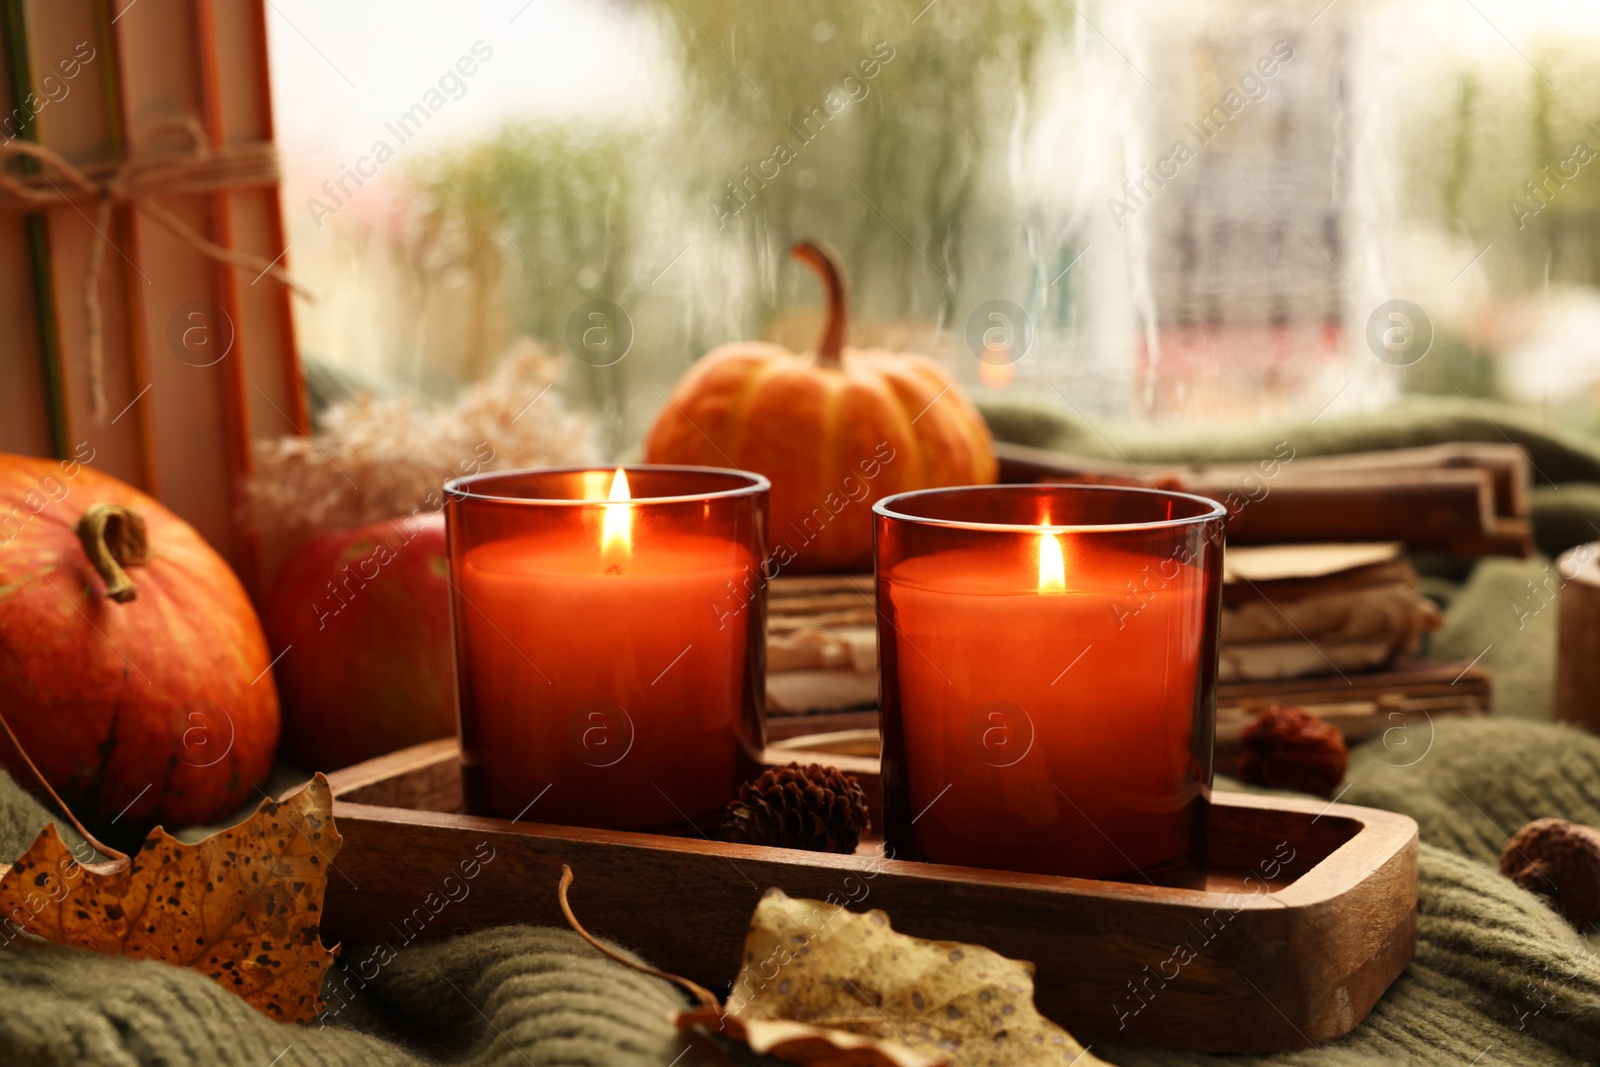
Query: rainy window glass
(1156, 211)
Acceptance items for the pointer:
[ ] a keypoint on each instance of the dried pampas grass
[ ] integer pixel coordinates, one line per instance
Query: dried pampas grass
(381, 459)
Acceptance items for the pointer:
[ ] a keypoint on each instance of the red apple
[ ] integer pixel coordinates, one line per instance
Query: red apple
(361, 620)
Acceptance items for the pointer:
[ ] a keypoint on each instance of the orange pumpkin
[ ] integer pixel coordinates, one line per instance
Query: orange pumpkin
(132, 668)
(833, 433)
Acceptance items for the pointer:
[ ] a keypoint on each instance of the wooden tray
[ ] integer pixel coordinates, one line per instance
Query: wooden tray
(1251, 964)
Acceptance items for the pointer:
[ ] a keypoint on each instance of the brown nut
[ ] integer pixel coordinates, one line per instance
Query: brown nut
(1289, 748)
(1560, 861)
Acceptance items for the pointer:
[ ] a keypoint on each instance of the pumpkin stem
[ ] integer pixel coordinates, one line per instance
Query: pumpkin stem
(114, 537)
(827, 267)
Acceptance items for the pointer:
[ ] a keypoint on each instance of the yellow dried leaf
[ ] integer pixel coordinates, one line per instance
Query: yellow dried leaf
(809, 1046)
(243, 906)
(821, 965)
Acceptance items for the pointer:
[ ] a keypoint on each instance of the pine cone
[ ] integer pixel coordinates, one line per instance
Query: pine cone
(817, 808)
(1560, 861)
(1289, 748)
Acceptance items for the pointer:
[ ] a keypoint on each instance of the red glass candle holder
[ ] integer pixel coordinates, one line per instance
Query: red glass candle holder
(1048, 661)
(610, 631)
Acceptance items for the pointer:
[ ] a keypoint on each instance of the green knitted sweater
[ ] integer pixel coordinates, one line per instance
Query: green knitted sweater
(1498, 978)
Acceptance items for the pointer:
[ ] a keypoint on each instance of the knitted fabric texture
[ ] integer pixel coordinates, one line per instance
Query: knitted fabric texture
(1495, 968)
(1497, 974)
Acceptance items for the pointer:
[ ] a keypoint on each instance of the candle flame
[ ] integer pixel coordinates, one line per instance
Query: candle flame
(1052, 565)
(618, 528)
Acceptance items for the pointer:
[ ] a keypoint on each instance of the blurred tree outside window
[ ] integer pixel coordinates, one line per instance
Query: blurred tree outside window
(1159, 211)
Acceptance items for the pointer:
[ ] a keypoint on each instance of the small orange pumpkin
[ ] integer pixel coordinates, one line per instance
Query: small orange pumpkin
(133, 670)
(833, 434)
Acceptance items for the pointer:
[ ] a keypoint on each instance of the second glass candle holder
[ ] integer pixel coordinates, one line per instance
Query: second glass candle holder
(1048, 661)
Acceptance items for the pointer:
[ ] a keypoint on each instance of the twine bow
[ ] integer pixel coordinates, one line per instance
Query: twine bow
(137, 180)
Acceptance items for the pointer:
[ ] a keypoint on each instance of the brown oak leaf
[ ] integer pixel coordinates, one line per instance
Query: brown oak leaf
(243, 906)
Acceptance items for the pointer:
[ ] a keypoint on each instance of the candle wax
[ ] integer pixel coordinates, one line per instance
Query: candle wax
(608, 677)
(1049, 732)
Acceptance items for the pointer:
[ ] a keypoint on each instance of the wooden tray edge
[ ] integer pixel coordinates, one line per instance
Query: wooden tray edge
(1380, 836)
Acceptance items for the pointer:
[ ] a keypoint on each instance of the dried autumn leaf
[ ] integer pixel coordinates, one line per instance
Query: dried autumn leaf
(242, 906)
(809, 1046)
(821, 965)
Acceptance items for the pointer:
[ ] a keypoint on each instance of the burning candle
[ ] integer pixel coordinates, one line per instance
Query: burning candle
(610, 641)
(1048, 660)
